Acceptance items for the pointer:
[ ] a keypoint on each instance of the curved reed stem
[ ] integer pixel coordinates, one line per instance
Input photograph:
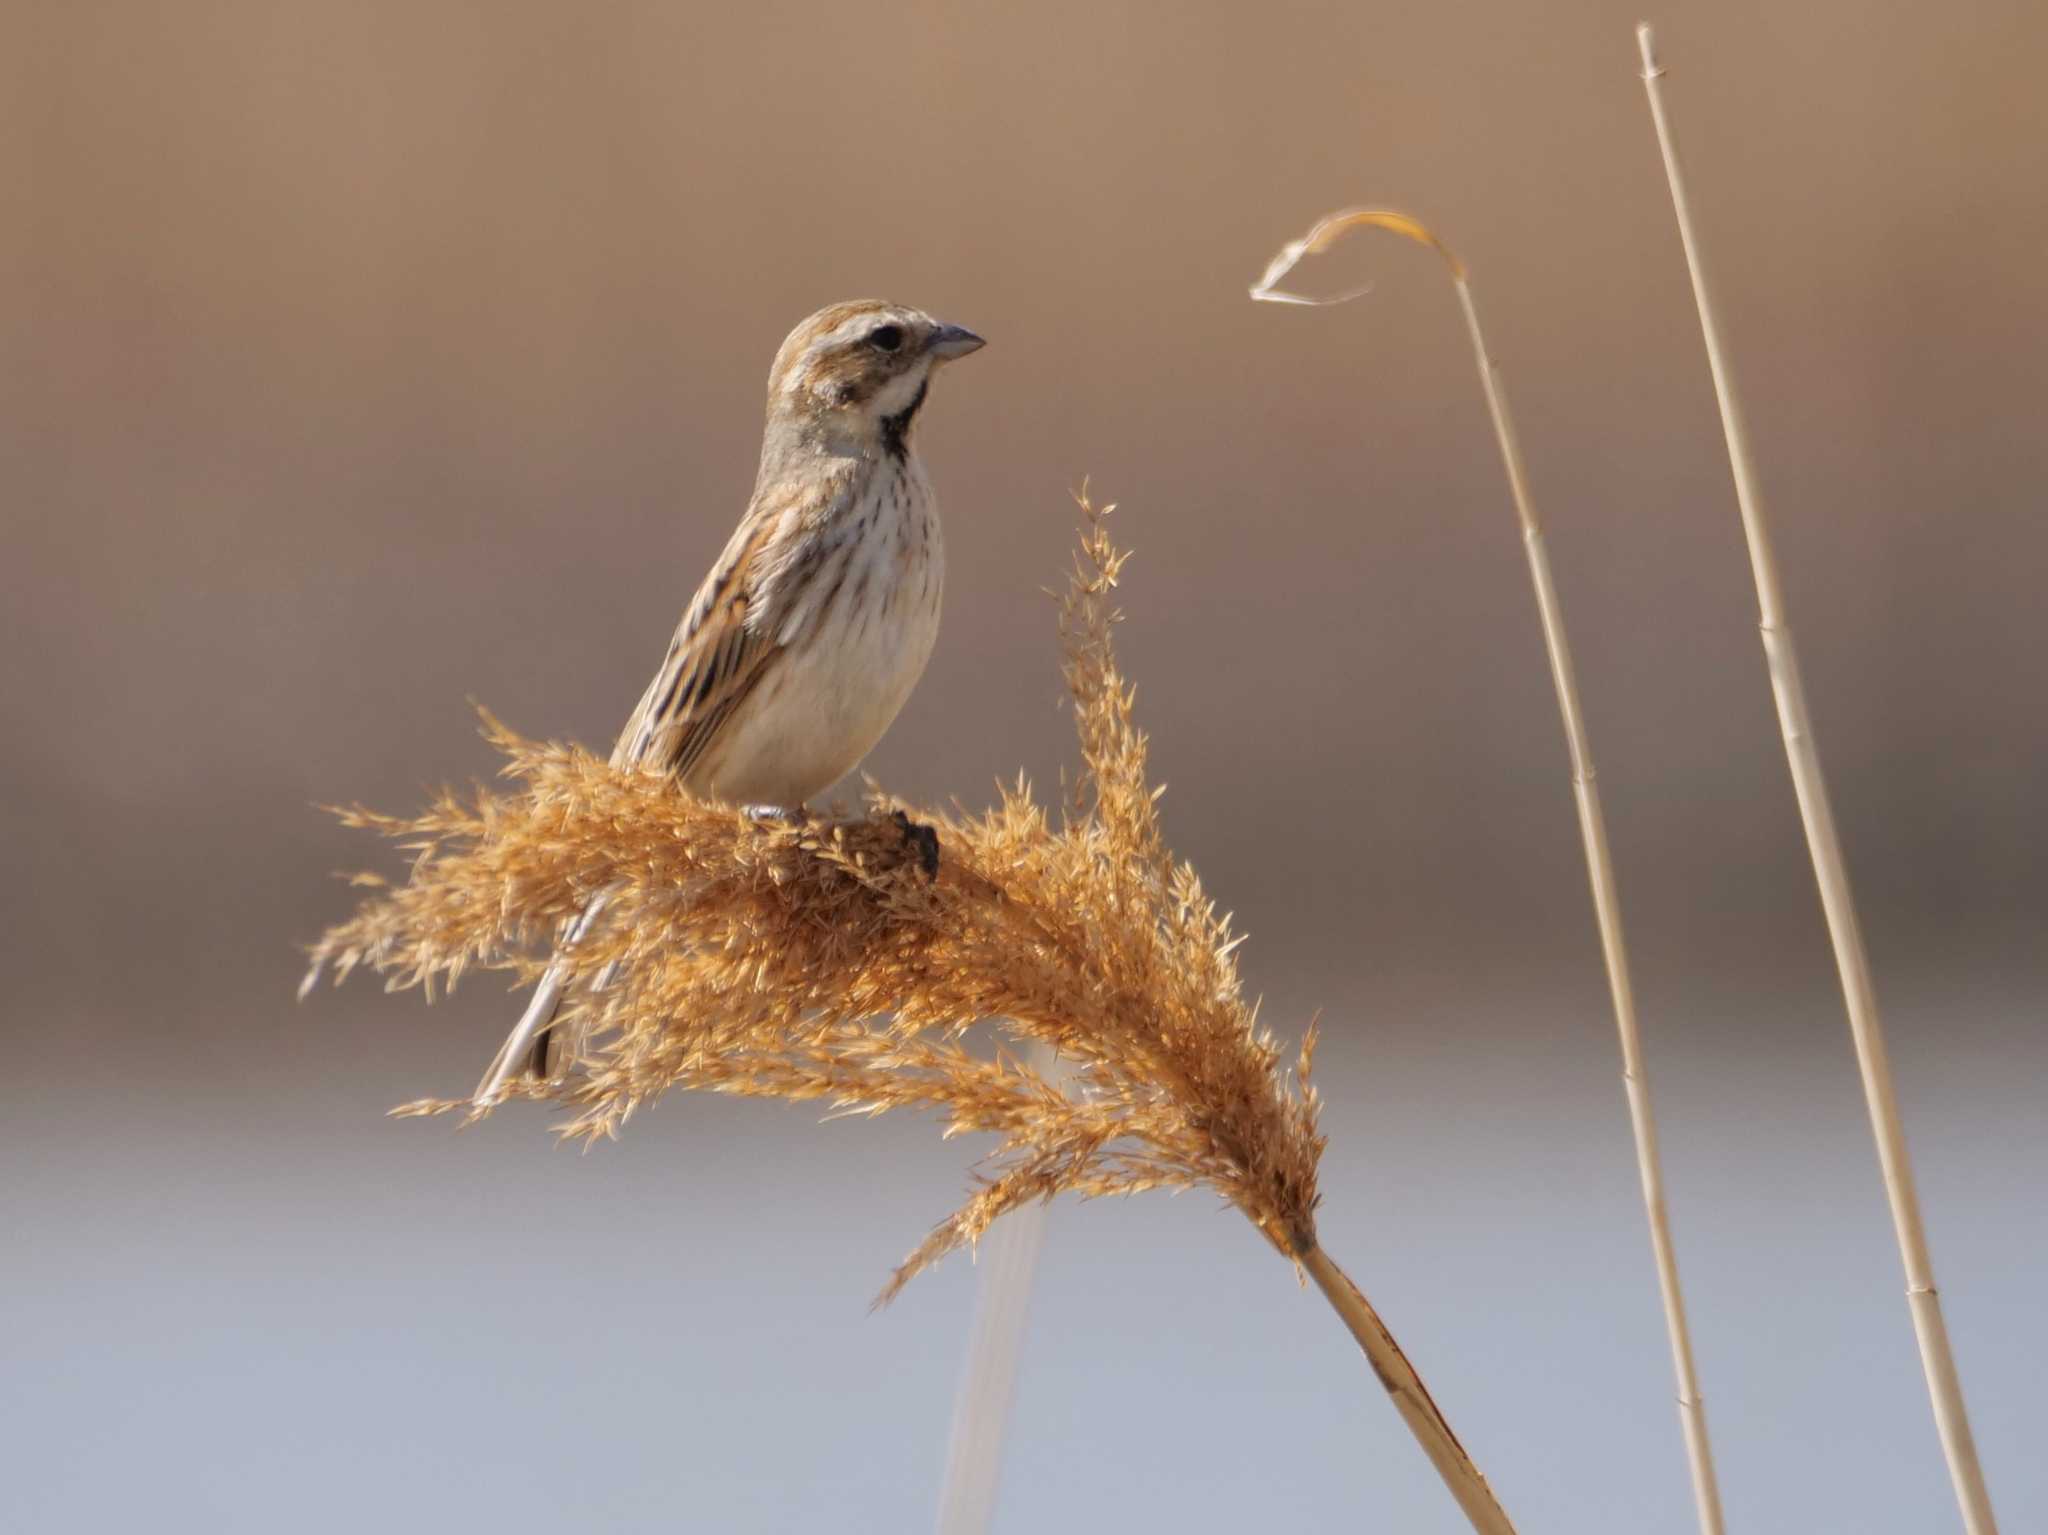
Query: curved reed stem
(1692, 1412)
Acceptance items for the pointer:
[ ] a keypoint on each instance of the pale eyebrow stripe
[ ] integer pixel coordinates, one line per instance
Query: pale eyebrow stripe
(846, 330)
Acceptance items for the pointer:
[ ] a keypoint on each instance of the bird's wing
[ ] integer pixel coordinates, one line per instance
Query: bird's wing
(734, 632)
(757, 599)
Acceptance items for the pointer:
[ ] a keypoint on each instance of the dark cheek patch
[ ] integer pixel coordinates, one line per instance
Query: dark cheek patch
(834, 389)
(844, 381)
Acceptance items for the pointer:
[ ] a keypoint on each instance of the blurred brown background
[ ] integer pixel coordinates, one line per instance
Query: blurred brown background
(362, 358)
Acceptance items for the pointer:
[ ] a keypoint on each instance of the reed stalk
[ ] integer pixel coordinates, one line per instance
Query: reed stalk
(1410, 1396)
(1824, 847)
(1006, 1266)
(1692, 1413)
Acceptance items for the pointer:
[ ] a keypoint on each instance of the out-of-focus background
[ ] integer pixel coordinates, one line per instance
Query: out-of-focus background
(365, 358)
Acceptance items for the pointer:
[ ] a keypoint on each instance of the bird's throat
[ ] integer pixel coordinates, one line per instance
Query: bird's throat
(896, 428)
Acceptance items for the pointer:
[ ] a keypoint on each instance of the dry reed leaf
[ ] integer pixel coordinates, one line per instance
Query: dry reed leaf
(819, 961)
(1327, 231)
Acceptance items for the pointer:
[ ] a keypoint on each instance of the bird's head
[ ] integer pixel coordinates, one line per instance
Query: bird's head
(855, 374)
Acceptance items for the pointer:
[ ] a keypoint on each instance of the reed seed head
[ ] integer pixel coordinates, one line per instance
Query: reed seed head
(818, 960)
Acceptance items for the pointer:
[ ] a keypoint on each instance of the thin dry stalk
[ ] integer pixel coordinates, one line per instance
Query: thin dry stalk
(1410, 1396)
(819, 961)
(1824, 847)
(1692, 1412)
(1007, 1264)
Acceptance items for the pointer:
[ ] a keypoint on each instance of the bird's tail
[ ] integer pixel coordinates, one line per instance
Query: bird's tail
(534, 1048)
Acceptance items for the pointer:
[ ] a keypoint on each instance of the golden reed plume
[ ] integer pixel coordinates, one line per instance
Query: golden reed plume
(824, 960)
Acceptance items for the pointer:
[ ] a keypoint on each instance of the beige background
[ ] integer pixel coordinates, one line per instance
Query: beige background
(362, 358)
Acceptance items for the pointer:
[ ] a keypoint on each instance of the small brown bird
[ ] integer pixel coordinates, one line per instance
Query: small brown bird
(816, 622)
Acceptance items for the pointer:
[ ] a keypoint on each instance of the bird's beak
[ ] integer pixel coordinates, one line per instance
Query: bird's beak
(951, 341)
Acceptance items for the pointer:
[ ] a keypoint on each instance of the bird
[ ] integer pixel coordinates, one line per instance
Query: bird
(814, 624)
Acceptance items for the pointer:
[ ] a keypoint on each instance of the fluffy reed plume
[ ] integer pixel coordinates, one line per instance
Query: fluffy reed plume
(823, 960)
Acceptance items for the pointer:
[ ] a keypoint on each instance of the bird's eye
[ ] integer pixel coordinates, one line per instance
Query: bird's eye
(886, 338)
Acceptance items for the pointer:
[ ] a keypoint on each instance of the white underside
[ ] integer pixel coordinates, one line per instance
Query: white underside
(824, 703)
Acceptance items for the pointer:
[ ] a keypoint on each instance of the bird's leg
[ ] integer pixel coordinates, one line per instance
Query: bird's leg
(923, 838)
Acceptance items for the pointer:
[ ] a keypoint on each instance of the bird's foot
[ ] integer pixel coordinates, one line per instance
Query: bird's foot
(924, 839)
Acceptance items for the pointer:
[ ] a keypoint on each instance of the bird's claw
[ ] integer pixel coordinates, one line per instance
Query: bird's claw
(924, 838)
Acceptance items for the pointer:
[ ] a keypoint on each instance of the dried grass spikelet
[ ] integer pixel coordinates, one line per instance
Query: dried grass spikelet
(818, 960)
